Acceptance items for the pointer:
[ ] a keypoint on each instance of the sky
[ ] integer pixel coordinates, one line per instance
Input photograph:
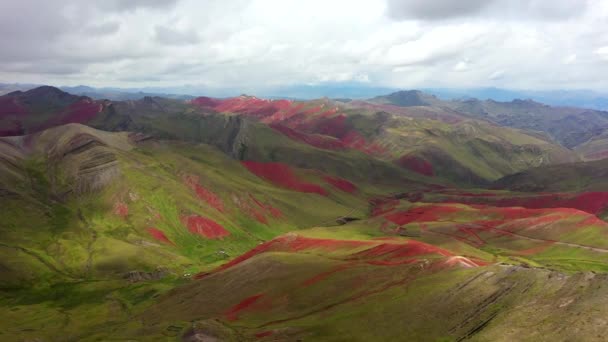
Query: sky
(256, 44)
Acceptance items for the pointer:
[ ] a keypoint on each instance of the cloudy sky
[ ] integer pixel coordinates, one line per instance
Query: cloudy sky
(521, 44)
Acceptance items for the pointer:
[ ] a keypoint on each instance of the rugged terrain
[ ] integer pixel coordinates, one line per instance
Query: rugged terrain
(404, 217)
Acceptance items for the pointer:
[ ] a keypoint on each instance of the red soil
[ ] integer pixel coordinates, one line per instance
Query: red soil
(233, 312)
(251, 207)
(374, 252)
(206, 195)
(11, 114)
(121, 209)
(288, 243)
(205, 227)
(319, 141)
(334, 126)
(324, 275)
(592, 221)
(256, 209)
(417, 165)
(10, 108)
(341, 184)
(263, 334)
(274, 212)
(591, 202)
(356, 141)
(314, 126)
(205, 102)
(427, 213)
(391, 251)
(159, 235)
(383, 205)
(82, 112)
(283, 176)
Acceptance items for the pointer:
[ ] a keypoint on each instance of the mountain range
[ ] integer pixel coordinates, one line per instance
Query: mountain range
(400, 216)
(338, 90)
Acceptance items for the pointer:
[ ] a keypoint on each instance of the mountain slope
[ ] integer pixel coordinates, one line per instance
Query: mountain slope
(448, 143)
(590, 176)
(569, 126)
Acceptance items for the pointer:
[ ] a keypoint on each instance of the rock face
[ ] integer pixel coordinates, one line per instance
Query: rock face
(139, 276)
(93, 165)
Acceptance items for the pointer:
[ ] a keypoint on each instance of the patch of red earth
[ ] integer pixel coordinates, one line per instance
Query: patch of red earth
(159, 236)
(530, 223)
(204, 101)
(204, 227)
(12, 113)
(233, 313)
(263, 334)
(356, 141)
(121, 209)
(591, 202)
(10, 108)
(283, 176)
(416, 164)
(334, 126)
(206, 195)
(324, 275)
(341, 184)
(383, 205)
(264, 110)
(381, 253)
(471, 236)
(427, 213)
(252, 207)
(274, 212)
(285, 114)
(296, 122)
(81, 112)
(319, 141)
(392, 251)
(289, 243)
(592, 220)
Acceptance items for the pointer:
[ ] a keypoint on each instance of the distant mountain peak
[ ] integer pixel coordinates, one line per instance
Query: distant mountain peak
(408, 98)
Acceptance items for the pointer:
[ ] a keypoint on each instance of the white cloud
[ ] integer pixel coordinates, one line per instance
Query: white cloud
(497, 75)
(259, 43)
(571, 58)
(602, 52)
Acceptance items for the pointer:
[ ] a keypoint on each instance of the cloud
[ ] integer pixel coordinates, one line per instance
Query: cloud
(132, 5)
(461, 66)
(497, 75)
(434, 10)
(170, 36)
(571, 58)
(602, 52)
(250, 45)
(484, 9)
(106, 28)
